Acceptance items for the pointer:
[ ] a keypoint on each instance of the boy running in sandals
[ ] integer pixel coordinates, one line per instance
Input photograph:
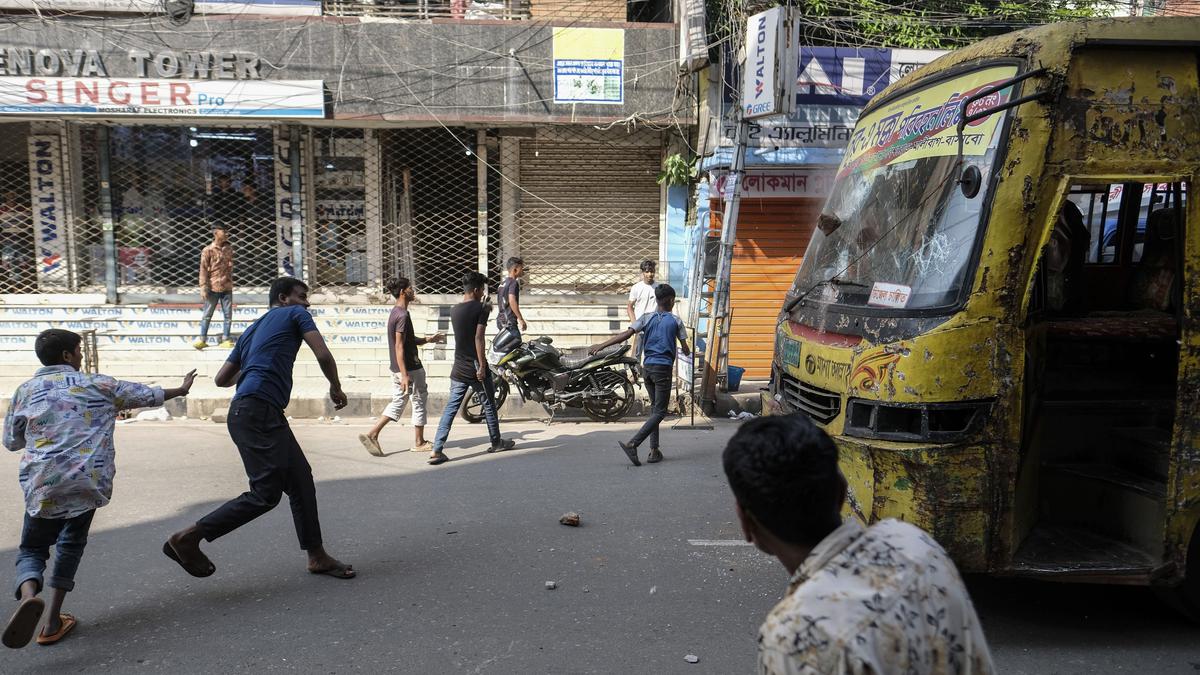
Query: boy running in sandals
(63, 421)
(261, 365)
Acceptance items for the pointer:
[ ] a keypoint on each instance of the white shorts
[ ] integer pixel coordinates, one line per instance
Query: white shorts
(418, 391)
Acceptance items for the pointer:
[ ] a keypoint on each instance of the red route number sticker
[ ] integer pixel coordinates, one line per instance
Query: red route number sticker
(889, 295)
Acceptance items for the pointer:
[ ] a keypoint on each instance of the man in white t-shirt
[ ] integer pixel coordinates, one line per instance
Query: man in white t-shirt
(641, 296)
(641, 299)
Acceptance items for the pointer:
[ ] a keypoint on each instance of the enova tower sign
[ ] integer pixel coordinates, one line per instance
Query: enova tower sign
(36, 82)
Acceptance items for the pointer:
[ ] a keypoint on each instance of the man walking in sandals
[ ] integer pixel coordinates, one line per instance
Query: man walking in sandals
(408, 375)
(261, 364)
(62, 422)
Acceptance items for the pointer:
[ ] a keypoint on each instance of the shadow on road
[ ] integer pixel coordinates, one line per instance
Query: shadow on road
(452, 568)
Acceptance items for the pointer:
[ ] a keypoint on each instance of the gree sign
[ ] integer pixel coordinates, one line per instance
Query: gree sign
(760, 76)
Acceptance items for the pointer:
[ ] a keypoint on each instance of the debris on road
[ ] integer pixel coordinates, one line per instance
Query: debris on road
(692, 658)
(155, 415)
(570, 519)
(742, 415)
(551, 585)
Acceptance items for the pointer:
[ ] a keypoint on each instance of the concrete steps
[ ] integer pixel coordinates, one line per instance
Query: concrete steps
(153, 344)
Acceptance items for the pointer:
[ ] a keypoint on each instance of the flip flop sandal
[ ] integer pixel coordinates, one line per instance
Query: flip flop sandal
(197, 568)
(371, 445)
(338, 572)
(66, 623)
(23, 623)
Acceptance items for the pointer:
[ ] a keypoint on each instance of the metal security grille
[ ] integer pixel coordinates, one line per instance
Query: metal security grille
(437, 193)
(18, 243)
(127, 209)
(170, 188)
(590, 207)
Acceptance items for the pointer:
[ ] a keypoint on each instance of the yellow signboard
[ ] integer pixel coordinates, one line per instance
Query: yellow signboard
(925, 123)
(589, 65)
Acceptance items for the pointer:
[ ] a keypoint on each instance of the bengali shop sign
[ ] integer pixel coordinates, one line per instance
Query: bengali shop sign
(777, 183)
(925, 123)
(162, 97)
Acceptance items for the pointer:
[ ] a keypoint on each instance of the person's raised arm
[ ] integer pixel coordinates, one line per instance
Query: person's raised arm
(619, 337)
(181, 390)
(328, 366)
(683, 341)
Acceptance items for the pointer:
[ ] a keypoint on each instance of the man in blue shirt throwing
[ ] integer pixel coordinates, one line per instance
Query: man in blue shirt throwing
(261, 365)
(660, 330)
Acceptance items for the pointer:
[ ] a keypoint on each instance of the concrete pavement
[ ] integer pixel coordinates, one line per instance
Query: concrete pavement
(453, 562)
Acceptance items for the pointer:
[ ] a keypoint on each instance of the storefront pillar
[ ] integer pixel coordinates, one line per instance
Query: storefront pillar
(294, 158)
(48, 194)
(372, 209)
(106, 216)
(510, 199)
(289, 208)
(481, 197)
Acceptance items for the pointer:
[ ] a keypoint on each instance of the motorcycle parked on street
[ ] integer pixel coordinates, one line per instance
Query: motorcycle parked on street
(600, 384)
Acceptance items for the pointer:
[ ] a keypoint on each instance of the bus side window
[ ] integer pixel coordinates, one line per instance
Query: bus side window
(1155, 250)
(1100, 205)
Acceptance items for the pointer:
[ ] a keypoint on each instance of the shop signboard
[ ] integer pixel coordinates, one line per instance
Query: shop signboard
(761, 76)
(110, 97)
(48, 209)
(589, 65)
(777, 183)
(272, 7)
(832, 84)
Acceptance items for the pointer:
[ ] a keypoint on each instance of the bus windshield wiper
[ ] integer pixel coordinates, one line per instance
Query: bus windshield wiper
(832, 281)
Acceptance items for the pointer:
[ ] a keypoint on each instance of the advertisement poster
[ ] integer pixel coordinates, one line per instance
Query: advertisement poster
(589, 65)
(924, 123)
(832, 85)
(760, 86)
(162, 98)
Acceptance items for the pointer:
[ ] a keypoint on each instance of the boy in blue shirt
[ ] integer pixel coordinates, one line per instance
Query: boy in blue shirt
(660, 330)
(261, 365)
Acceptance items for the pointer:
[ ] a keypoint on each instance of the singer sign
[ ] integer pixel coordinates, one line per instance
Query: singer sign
(175, 98)
(760, 81)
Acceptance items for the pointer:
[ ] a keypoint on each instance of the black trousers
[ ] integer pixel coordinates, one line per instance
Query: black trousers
(658, 385)
(275, 465)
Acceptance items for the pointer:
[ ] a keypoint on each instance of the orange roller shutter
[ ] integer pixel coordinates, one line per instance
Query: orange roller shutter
(772, 235)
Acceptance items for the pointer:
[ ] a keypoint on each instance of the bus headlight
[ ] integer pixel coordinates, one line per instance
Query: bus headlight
(933, 422)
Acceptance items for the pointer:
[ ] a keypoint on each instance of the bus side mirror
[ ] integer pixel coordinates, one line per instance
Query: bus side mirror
(970, 181)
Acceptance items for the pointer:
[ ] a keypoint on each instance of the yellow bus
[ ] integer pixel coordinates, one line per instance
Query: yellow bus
(998, 317)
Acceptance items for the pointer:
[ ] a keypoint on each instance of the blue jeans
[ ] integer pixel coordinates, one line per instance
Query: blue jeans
(225, 298)
(458, 392)
(658, 385)
(67, 535)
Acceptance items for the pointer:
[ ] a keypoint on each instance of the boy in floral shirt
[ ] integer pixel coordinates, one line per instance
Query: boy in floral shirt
(63, 422)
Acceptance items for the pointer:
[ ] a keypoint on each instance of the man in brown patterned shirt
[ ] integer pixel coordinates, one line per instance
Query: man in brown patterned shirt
(216, 286)
(878, 600)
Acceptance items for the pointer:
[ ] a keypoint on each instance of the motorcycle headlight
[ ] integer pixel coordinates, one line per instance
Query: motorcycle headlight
(933, 422)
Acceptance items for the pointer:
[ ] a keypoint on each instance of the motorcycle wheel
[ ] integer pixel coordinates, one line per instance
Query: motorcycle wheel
(617, 400)
(472, 409)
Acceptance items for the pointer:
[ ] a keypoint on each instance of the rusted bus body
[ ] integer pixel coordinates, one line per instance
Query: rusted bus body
(977, 353)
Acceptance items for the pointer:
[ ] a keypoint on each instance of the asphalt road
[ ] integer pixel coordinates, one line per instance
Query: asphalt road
(453, 563)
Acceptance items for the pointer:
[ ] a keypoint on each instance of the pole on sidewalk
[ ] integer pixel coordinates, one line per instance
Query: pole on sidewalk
(106, 217)
(720, 300)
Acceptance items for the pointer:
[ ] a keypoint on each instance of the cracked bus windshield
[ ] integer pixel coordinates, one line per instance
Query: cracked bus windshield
(897, 231)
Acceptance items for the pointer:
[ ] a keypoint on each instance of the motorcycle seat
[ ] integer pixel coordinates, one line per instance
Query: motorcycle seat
(573, 362)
